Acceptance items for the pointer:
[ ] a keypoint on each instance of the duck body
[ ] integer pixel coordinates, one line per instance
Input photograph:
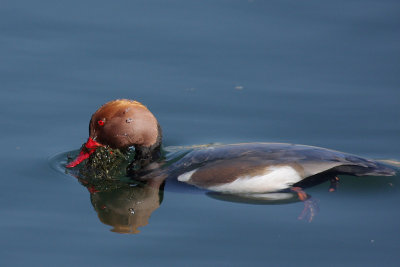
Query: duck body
(237, 168)
(266, 167)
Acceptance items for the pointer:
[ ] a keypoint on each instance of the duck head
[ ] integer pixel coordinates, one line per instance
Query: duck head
(121, 124)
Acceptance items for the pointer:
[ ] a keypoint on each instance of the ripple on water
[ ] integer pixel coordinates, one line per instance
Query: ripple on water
(59, 160)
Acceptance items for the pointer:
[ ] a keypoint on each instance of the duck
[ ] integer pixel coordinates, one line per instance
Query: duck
(245, 168)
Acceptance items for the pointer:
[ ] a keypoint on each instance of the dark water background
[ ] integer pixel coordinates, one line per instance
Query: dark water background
(323, 73)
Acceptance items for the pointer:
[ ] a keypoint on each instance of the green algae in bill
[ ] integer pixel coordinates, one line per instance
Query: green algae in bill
(105, 163)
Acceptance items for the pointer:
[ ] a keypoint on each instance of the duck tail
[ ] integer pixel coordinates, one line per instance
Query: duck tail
(370, 168)
(358, 166)
(381, 171)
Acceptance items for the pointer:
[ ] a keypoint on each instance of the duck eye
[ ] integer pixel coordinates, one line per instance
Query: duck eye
(100, 122)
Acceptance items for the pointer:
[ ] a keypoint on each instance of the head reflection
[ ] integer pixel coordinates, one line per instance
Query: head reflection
(126, 207)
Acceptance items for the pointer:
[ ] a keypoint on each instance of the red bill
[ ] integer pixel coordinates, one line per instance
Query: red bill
(86, 151)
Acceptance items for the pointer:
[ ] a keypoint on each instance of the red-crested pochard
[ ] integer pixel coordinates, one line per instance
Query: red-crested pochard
(237, 168)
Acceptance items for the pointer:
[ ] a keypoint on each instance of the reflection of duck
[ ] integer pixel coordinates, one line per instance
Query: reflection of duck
(125, 207)
(238, 168)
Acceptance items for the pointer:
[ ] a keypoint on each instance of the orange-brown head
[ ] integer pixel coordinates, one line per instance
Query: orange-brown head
(123, 123)
(120, 124)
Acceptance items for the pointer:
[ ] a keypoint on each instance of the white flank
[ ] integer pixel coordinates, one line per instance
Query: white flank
(274, 179)
(186, 176)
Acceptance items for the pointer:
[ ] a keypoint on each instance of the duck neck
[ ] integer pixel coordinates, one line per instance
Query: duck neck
(147, 155)
(144, 156)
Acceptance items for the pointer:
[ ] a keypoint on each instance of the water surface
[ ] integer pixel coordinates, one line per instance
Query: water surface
(317, 73)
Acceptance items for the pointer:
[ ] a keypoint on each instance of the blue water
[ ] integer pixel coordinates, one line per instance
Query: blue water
(317, 73)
